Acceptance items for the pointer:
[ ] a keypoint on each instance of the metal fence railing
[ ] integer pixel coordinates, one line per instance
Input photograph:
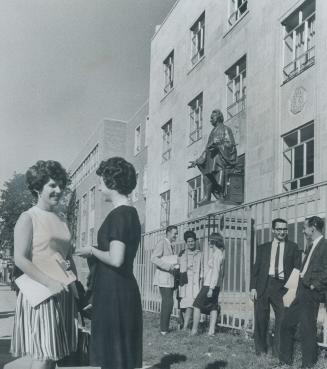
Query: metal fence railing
(243, 227)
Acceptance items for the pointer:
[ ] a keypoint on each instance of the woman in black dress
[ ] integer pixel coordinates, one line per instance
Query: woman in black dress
(116, 333)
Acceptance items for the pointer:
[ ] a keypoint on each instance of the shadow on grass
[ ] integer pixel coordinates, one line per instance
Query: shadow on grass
(5, 356)
(219, 364)
(168, 360)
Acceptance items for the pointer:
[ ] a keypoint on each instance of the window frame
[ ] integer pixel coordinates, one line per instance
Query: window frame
(137, 139)
(196, 118)
(197, 33)
(168, 65)
(291, 149)
(194, 191)
(167, 137)
(238, 95)
(236, 11)
(164, 209)
(301, 36)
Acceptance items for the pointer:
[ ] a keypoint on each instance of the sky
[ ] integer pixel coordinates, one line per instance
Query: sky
(64, 66)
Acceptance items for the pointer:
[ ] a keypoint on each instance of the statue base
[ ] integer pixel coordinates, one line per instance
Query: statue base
(211, 207)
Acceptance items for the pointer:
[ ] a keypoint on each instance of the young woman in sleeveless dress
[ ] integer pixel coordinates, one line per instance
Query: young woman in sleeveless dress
(116, 334)
(48, 331)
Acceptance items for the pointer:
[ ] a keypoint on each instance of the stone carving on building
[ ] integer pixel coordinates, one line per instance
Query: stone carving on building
(298, 100)
(218, 160)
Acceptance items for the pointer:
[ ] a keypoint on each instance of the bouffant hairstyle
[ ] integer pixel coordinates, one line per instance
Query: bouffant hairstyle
(189, 234)
(218, 240)
(40, 173)
(118, 174)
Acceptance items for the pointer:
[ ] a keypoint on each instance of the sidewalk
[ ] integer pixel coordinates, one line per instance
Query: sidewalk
(7, 308)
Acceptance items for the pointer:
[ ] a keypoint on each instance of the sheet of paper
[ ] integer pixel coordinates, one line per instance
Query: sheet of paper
(55, 268)
(34, 291)
(289, 297)
(293, 280)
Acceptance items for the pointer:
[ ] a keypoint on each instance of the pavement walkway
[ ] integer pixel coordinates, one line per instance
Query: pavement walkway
(7, 310)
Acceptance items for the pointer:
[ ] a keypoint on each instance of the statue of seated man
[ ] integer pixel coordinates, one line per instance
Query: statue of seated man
(219, 155)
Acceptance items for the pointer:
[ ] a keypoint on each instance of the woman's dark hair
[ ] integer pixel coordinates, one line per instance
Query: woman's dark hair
(218, 240)
(189, 234)
(118, 174)
(40, 173)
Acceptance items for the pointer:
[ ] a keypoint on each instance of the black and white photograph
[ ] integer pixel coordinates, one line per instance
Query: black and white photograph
(163, 184)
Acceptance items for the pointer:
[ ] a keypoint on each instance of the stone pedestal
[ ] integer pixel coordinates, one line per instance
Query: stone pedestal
(211, 208)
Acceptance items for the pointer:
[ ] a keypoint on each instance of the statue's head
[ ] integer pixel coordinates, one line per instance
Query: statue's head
(216, 117)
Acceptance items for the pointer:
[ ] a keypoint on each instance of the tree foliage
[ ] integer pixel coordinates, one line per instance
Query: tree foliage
(15, 198)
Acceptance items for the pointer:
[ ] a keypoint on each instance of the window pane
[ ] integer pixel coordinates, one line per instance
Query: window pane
(310, 157)
(291, 139)
(306, 181)
(287, 165)
(307, 133)
(294, 185)
(298, 162)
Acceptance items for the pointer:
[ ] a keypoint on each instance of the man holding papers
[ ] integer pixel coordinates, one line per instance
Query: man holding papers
(274, 263)
(165, 260)
(310, 292)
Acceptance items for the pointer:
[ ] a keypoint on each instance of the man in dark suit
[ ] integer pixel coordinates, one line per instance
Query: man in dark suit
(310, 292)
(274, 263)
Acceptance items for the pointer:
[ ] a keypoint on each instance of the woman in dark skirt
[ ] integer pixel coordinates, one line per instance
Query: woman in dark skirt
(206, 301)
(116, 332)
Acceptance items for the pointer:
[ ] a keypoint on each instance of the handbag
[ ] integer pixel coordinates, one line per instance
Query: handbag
(80, 357)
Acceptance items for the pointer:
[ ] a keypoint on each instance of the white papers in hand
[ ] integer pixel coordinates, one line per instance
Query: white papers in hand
(34, 291)
(291, 284)
(289, 297)
(293, 280)
(55, 267)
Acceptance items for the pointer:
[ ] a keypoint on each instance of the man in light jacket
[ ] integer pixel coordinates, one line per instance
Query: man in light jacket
(163, 258)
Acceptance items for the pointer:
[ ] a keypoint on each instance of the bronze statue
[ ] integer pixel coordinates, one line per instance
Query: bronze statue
(220, 154)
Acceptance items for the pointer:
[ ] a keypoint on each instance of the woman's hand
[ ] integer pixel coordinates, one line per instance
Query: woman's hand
(56, 287)
(209, 294)
(84, 252)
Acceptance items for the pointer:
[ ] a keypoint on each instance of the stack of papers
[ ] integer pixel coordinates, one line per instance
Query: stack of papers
(54, 267)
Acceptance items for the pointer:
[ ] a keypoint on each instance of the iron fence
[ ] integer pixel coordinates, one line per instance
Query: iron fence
(243, 227)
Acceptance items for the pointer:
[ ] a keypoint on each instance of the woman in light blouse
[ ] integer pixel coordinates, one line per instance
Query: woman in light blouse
(206, 301)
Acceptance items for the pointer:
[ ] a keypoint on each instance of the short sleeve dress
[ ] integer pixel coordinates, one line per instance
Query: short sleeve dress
(116, 333)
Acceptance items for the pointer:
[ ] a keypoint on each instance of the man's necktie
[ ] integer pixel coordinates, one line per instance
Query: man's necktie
(277, 260)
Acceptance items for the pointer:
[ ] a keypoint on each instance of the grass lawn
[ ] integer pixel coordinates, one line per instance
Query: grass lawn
(231, 350)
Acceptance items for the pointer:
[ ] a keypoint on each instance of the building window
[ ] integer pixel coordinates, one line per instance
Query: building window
(84, 205)
(137, 140)
(299, 40)
(164, 209)
(166, 140)
(237, 8)
(135, 193)
(169, 72)
(83, 239)
(197, 39)
(298, 157)
(91, 236)
(196, 119)
(92, 198)
(194, 192)
(236, 87)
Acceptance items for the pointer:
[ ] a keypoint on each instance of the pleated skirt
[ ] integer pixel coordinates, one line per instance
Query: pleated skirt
(48, 331)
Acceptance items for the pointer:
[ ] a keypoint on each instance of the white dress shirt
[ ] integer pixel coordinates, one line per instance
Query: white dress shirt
(314, 245)
(273, 257)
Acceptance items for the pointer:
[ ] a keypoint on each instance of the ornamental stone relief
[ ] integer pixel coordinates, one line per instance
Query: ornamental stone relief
(298, 100)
